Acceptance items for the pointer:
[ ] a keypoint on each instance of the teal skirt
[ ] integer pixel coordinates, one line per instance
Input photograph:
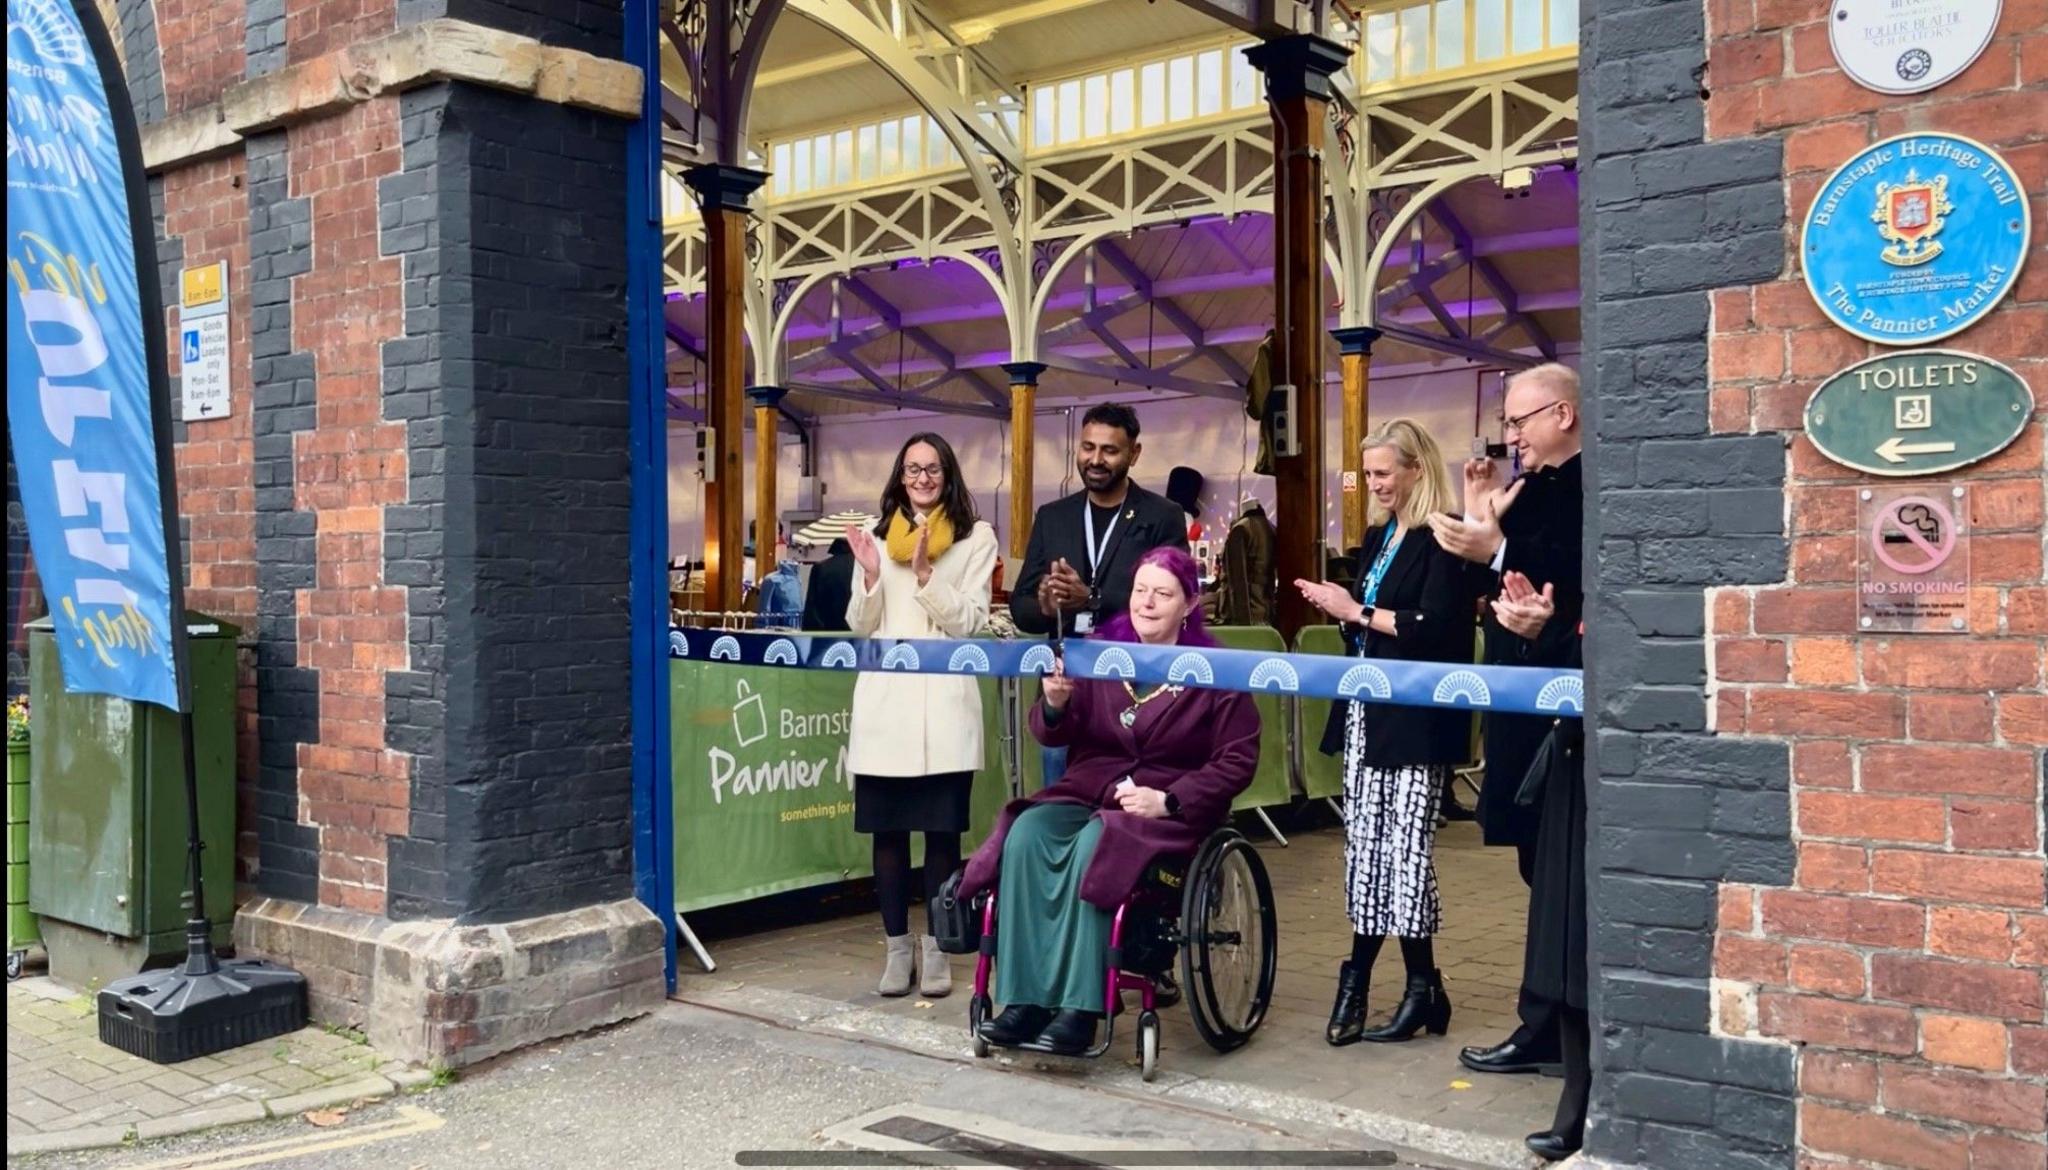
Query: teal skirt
(1052, 949)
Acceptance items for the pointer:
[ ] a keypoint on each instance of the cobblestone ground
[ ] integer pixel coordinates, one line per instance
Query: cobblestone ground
(65, 1089)
(793, 973)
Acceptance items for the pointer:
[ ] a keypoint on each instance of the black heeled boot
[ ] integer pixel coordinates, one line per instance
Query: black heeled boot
(1347, 1015)
(1425, 1006)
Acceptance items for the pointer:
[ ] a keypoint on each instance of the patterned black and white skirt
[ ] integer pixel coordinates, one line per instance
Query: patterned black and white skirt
(1389, 841)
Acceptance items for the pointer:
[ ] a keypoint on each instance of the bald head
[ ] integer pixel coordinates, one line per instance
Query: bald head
(1542, 408)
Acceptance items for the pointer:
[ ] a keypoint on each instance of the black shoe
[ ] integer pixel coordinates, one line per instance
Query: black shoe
(1512, 1055)
(1165, 992)
(1552, 1146)
(1423, 1006)
(1071, 1033)
(1347, 1015)
(1017, 1024)
(1453, 811)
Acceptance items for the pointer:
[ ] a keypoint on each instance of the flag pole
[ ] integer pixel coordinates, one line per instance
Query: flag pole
(205, 1006)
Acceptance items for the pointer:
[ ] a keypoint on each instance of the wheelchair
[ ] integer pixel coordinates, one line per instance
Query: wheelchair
(1215, 911)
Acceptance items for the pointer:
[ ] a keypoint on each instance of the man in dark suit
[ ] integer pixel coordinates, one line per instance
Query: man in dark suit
(831, 589)
(1531, 527)
(1085, 547)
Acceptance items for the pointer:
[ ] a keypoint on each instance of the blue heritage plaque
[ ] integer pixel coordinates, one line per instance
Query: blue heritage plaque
(1915, 239)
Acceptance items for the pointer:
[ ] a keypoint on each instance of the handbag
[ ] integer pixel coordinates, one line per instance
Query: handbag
(1560, 759)
(955, 921)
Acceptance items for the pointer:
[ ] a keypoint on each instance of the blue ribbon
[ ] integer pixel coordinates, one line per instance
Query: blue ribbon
(1519, 690)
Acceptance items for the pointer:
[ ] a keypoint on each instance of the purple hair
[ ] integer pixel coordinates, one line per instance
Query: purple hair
(1195, 632)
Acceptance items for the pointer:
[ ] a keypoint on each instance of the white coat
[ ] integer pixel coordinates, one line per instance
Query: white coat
(921, 724)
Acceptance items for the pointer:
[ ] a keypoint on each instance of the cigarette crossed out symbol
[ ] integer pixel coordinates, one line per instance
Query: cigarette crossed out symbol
(1918, 523)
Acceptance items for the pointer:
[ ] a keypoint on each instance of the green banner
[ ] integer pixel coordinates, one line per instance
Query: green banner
(1321, 775)
(763, 798)
(1271, 784)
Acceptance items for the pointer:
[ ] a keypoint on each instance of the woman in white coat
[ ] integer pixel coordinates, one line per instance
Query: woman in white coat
(916, 741)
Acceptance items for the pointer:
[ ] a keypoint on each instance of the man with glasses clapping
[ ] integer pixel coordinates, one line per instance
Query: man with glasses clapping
(1530, 527)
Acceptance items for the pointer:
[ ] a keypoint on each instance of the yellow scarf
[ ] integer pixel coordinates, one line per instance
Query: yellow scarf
(902, 538)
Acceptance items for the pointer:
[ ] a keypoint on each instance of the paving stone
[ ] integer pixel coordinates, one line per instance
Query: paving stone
(1479, 951)
(67, 1090)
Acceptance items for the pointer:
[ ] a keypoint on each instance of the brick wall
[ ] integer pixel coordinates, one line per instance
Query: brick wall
(1904, 960)
(593, 26)
(348, 466)
(203, 222)
(315, 28)
(141, 57)
(418, 505)
(208, 36)
(281, 404)
(515, 543)
(1673, 508)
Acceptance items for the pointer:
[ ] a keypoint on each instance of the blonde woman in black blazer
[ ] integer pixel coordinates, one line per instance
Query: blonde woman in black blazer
(1410, 603)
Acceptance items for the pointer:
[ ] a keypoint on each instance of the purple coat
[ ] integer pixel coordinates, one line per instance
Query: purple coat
(1201, 745)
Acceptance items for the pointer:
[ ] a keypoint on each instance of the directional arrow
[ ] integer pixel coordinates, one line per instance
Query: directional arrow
(1895, 449)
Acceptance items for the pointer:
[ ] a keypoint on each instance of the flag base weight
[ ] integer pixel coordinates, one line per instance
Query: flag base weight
(203, 1007)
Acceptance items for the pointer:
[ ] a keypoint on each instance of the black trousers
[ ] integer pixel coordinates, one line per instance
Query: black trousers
(1539, 1027)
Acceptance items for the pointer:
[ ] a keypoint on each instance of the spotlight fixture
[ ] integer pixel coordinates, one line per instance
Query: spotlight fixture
(1515, 182)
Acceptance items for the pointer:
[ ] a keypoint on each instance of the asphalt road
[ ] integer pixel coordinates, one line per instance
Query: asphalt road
(690, 1088)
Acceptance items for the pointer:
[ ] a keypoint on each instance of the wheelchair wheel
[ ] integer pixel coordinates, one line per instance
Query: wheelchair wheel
(977, 1015)
(1231, 932)
(1148, 1045)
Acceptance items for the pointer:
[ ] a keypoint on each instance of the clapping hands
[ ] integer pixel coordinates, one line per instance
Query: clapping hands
(1476, 536)
(1520, 609)
(865, 554)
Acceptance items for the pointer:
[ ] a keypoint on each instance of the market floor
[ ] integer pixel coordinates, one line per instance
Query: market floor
(821, 975)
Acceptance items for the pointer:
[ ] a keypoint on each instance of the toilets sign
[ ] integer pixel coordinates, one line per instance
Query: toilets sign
(1918, 413)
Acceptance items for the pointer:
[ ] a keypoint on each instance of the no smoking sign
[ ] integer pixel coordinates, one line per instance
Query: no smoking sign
(1914, 560)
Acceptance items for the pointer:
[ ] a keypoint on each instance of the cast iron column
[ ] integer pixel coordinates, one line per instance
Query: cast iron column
(767, 429)
(1356, 348)
(1023, 445)
(723, 192)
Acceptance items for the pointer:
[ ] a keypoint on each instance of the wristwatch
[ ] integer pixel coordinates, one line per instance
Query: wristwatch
(1172, 805)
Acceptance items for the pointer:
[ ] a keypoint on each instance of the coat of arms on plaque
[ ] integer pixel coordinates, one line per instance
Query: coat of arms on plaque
(1909, 215)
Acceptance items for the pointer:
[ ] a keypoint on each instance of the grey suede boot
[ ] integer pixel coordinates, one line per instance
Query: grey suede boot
(899, 967)
(934, 974)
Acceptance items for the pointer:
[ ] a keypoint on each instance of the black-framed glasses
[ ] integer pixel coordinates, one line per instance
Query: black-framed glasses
(912, 472)
(1517, 422)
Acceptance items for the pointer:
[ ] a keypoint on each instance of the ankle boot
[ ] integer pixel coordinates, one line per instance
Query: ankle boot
(898, 968)
(934, 974)
(1347, 1015)
(1424, 1006)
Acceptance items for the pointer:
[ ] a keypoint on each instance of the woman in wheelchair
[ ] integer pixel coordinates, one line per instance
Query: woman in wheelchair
(1151, 772)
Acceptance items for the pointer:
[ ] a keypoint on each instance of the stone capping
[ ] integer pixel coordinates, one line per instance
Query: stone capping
(433, 991)
(415, 56)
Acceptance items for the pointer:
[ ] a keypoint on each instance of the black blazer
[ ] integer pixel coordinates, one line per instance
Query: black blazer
(1146, 522)
(1544, 538)
(1426, 589)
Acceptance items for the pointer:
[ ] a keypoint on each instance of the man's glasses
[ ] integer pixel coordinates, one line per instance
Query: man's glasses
(1517, 422)
(912, 472)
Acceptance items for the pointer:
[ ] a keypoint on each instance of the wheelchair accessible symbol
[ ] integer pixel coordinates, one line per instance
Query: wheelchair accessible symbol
(1914, 535)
